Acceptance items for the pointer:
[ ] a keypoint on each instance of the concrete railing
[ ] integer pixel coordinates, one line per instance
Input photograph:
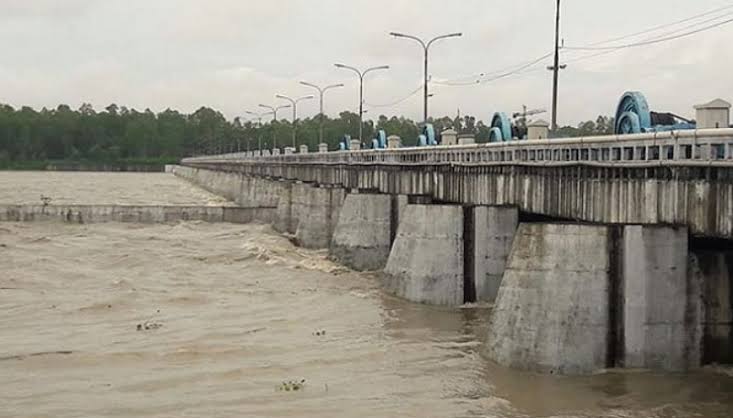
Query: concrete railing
(686, 147)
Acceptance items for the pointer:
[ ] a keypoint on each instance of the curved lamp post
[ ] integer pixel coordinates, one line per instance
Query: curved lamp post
(273, 110)
(321, 91)
(361, 75)
(426, 47)
(294, 104)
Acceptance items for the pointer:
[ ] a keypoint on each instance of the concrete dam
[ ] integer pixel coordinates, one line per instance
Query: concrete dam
(601, 252)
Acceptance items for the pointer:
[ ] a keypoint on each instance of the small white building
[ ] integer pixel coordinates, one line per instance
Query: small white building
(538, 129)
(715, 114)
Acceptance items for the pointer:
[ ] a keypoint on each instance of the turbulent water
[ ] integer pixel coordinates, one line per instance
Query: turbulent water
(234, 311)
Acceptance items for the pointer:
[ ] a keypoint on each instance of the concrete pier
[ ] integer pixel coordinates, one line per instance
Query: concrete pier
(362, 238)
(426, 261)
(284, 221)
(317, 213)
(552, 310)
(579, 298)
(713, 270)
(493, 232)
(661, 306)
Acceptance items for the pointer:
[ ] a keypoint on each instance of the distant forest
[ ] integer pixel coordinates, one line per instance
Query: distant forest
(29, 138)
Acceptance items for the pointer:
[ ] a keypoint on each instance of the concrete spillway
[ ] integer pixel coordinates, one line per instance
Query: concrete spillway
(131, 213)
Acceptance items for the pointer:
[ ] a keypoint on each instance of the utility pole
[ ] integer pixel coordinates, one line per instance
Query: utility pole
(556, 67)
(426, 47)
(274, 110)
(321, 91)
(361, 75)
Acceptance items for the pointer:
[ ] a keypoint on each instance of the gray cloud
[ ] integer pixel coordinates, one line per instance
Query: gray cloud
(234, 54)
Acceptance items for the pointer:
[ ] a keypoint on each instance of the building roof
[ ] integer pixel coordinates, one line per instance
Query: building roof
(539, 123)
(715, 104)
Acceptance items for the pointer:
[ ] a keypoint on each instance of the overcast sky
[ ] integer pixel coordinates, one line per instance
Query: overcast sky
(234, 54)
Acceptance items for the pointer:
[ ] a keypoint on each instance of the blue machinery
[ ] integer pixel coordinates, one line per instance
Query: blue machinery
(427, 137)
(345, 143)
(501, 128)
(633, 116)
(380, 142)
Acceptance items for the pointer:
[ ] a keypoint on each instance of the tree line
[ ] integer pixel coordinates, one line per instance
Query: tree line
(118, 133)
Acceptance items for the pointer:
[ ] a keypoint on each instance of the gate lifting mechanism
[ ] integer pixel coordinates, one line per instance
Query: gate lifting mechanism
(633, 117)
(427, 137)
(345, 143)
(380, 142)
(501, 128)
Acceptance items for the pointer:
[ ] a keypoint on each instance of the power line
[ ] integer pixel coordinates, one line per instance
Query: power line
(480, 80)
(666, 25)
(398, 101)
(652, 41)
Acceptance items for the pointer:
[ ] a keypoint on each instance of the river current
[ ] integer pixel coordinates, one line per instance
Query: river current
(221, 320)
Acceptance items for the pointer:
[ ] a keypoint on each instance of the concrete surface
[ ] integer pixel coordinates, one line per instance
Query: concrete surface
(426, 261)
(361, 239)
(713, 270)
(552, 311)
(658, 333)
(132, 213)
(317, 213)
(494, 229)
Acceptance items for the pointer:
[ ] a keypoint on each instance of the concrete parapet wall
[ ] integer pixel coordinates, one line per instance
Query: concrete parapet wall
(552, 310)
(128, 213)
(361, 239)
(426, 261)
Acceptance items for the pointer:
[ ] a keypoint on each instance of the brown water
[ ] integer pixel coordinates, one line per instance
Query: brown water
(98, 188)
(239, 308)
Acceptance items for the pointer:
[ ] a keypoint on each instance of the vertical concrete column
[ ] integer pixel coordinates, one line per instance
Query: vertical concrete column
(552, 313)
(361, 239)
(657, 331)
(318, 215)
(712, 270)
(426, 261)
(493, 231)
(284, 217)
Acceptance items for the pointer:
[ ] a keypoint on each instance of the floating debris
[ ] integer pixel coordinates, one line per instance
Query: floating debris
(42, 353)
(147, 326)
(320, 333)
(292, 386)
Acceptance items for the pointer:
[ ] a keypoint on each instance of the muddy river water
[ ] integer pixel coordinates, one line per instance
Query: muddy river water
(209, 320)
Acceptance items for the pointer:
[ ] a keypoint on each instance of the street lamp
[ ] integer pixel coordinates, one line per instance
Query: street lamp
(361, 87)
(321, 91)
(425, 47)
(294, 103)
(274, 110)
(258, 116)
